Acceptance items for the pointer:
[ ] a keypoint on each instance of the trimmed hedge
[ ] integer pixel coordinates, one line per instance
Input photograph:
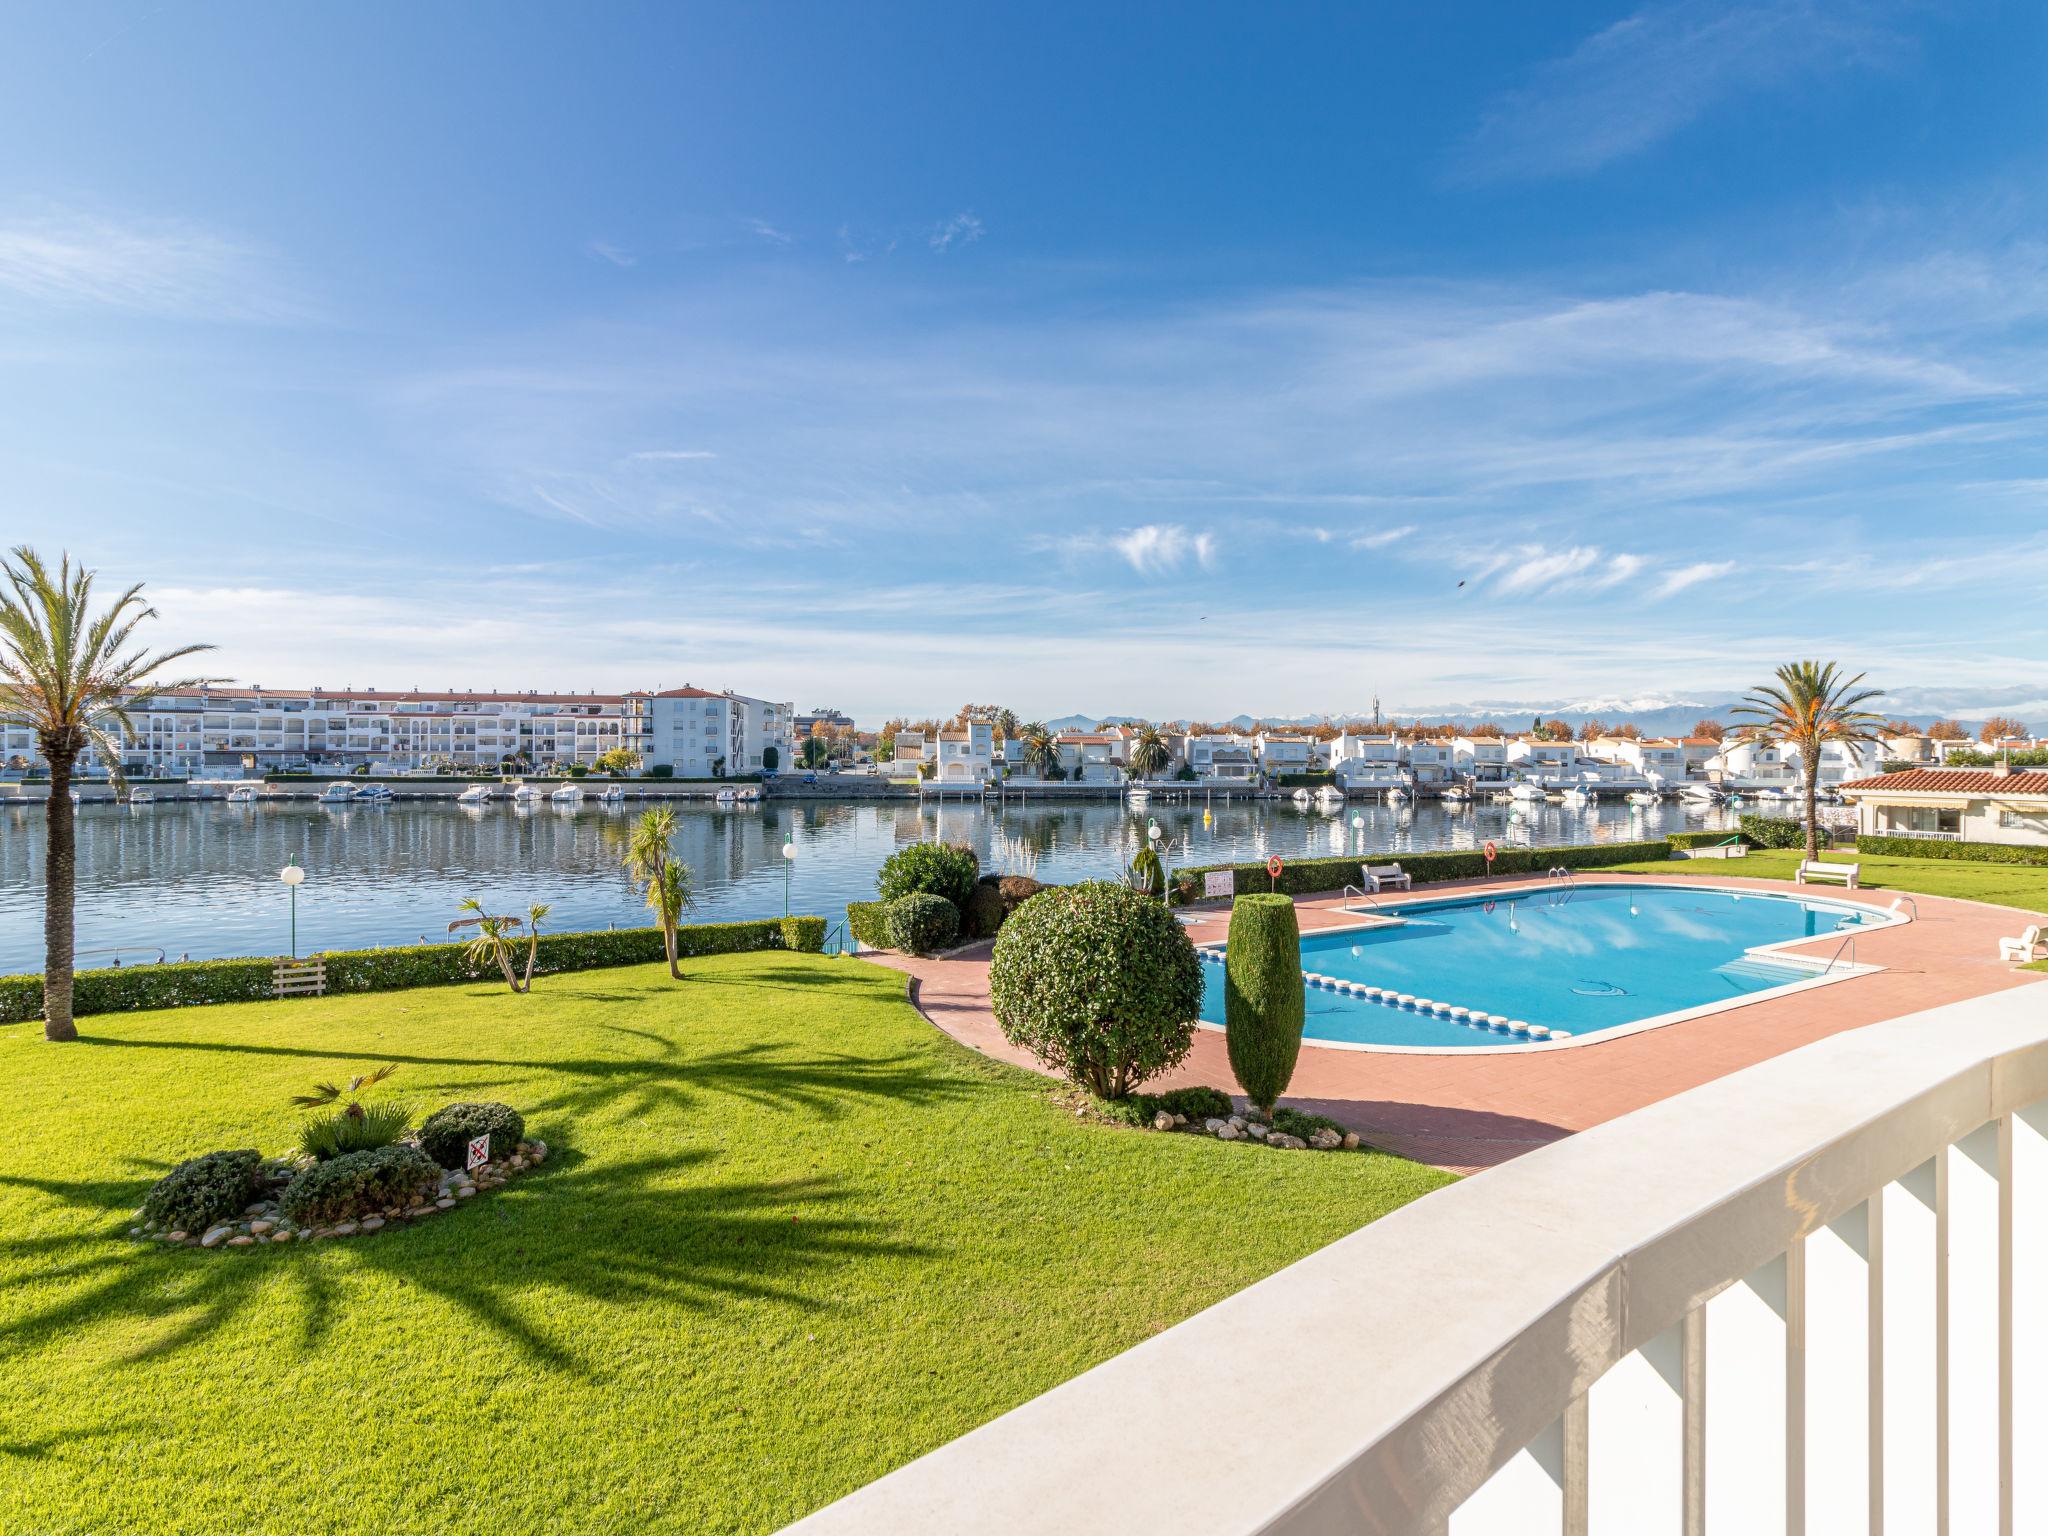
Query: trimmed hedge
(204, 1190)
(1263, 1003)
(948, 870)
(1306, 780)
(359, 1184)
(1925, 848)
(868, 921)
(1773, 831)
(923, 924)
(192, 983)
(1303, 876)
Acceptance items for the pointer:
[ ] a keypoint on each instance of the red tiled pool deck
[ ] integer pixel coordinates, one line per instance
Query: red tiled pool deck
(1466, 1111)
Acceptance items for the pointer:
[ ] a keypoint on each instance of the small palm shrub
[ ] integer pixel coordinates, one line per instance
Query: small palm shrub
(355, 1129)
(1147, 874)
(359, 1184)
(447, 1133)
(1263, 1006)
(932, 869)
(1100, 983)
(922, 924)
(205, 1190)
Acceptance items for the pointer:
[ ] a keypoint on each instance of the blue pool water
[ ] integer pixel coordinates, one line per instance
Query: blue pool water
(1578, 960)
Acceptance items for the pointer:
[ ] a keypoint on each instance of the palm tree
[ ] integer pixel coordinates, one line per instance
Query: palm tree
(65, 673)
(1149, 752)
(1006, 723)
(1041, 751)
(495, 937)
(1809, 705)
(667, 882)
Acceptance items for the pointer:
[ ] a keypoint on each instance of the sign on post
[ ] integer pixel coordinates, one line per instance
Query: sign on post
(479, 1151)
(1220, 882)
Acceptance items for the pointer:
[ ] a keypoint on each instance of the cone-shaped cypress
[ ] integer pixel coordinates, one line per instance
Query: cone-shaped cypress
(1262, 995)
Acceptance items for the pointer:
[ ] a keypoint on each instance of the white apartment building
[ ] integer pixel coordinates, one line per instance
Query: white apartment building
(1223, 759)
(698, 734)
(236, 730)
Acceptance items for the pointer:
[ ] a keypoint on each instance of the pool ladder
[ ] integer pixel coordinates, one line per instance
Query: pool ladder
(1848, 943)
(1352, 890)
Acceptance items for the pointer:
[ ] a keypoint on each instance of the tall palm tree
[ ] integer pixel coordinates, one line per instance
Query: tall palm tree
(1006, 723)
(1041, 751)
(667, 882)
(1149, 752)
(1809, 705)
(67, 675)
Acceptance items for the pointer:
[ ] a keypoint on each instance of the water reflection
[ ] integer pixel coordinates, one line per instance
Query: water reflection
(202, 879)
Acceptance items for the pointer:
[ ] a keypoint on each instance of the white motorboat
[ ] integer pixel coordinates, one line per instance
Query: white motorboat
(1396, 795)
(611, 794)
(1453, 792)
(1137, 794)
(727, 795)
(375, 794)
(1641, 797)
(1575, 794)
(476, 794)
(242, 794)
(1709, 794)
(567, 794)
(527, 795)
(1329, 796)
(1525, 792)
(340, 792)
(142, 797)
(1300, 797)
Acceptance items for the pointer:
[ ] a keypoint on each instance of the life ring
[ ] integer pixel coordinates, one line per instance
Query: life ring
(1274, 865)
(1491, 852)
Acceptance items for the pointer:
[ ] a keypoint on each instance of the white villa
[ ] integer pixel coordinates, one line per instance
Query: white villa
(1369, 762)
(1968, 805)
(1285, 754)
(966, 754)
(1483, 759)
(1221, 759)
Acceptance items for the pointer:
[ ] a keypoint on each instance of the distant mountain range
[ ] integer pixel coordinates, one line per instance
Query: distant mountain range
(1653, 714)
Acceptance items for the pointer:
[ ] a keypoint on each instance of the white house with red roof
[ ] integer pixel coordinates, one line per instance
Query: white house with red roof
(1965, 805)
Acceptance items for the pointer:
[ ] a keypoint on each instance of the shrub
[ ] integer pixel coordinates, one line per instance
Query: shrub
(1147, 875)
(1772, 831)
(359, 1184)
(805, 935)
(205, 1190)
(995, 898)
(1299, 1122)
(662, 771)
(931, 869)
(1309, 779)
(868, 921)
(1925, 848)
(921, 924)
(1699, 839)
(355, 1129)
(1198, 1104)
(448, 1131)
(1263, 1005)
(1302, 876)
(1100, 983)
(1186, 774)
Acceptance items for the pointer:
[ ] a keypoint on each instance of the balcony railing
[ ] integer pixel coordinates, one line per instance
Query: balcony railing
(1928, 837)
(1806, 1297)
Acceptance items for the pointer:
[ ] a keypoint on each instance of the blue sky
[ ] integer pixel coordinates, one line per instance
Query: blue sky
(1160, 358)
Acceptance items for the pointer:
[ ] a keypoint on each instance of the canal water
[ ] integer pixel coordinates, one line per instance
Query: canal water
(200, 880)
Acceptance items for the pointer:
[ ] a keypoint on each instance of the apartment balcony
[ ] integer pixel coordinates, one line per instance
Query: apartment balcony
(1805, 1297)
(1925, 837)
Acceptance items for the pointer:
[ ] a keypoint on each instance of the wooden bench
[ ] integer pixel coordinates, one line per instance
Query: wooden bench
(299, 978)
(1378, 876)
(1813, 869)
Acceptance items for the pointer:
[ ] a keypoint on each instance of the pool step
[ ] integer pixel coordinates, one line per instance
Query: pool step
(1776, 972)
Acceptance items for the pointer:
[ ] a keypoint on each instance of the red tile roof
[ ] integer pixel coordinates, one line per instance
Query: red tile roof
(1956, 781)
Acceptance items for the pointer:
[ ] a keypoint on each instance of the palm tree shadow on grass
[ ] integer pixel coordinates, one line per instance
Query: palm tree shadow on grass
(618, 1235)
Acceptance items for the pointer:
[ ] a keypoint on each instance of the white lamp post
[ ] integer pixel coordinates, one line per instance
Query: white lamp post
(788, 864)
(293, 877)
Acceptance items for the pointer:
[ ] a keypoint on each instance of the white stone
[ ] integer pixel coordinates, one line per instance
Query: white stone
(1325, 1140)
(215, 1238)
(240, 1240)
(1282, 1139)
(347, 1229)
(1162, 1121)
(1213, 1125)
(372, 1223)
(1350, 1141)
(261, 1227)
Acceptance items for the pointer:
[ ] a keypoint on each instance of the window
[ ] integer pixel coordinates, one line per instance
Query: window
(1925, 818)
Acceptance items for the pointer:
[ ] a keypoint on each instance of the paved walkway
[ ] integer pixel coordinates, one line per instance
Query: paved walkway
(1466, 1111)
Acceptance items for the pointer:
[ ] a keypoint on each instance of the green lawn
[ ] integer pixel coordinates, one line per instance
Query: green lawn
(787, 1238)
(2009, 885)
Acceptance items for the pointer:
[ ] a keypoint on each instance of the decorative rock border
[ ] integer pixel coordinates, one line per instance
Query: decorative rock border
(1253, 1126)
(263, 1221)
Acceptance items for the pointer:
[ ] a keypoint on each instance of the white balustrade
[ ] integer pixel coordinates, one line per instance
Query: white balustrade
(1810, 1298)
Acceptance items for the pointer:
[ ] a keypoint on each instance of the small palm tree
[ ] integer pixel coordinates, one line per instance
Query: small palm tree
(1149, 752)
(67, 675)
(667, 882)
(1808, 706)
(1041, 751)
(495, 937)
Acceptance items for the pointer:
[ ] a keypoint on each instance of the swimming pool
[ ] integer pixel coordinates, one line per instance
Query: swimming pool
(1544, 966)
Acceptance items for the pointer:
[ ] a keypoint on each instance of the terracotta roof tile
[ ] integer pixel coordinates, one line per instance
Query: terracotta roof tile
(1955, 781)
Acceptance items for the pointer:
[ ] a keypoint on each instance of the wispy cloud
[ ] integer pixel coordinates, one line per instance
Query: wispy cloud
(179, 271)
(669, 455)
(618, 256)
(960, 230)
(1637, 82)
(1383, 537)
(1692, 575)
(766, 231)
(1151, 549)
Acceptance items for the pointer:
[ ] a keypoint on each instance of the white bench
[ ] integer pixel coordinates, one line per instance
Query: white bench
(1379, 876)
(1813, 869)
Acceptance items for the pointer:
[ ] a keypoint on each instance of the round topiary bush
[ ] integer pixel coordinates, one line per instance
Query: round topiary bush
(1099, 982)
(1263, 1005)
(931, 869)
(922, 925)
(205, 1190)
(359, 1184)
(448, 1132)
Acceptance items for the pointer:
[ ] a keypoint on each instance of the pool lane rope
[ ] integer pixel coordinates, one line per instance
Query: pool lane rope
(1471, 1018)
